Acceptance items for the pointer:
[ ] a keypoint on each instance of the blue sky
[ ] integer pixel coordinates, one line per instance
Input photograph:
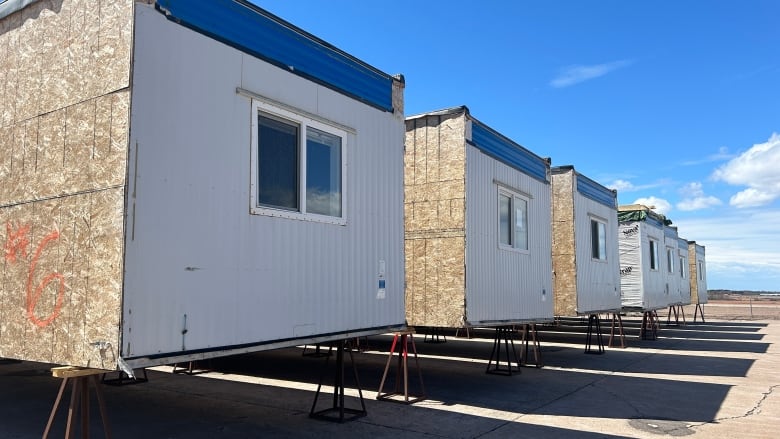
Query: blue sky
(673, 103)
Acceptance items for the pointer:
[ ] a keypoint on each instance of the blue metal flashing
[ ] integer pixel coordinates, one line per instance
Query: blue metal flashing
(504, 150)
(596, 191)
(259, 33)
(682, 243)
(670, 232)
(654, 221)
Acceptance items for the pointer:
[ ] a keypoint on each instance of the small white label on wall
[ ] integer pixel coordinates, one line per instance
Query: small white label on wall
(380, 294)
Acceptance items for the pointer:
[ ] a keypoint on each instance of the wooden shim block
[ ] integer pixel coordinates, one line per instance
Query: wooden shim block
(74, 371)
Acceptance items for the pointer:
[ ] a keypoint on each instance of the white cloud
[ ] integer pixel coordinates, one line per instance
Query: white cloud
(722, 154)
(622, 185)
(575, 74)
(751, 197)
(694, 198)
(755, 168)
(738, 253)
(659, 204)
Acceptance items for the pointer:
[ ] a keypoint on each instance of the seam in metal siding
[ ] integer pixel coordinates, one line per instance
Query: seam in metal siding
(508, 152)
(259, 33)
(596, 191)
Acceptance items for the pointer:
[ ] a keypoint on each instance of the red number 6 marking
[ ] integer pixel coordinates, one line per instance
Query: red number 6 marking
(32, 298)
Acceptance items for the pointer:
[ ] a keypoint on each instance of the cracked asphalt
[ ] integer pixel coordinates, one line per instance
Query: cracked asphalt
(715, 379)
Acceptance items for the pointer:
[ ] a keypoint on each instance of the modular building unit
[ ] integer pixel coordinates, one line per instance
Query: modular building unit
(477, 221)
(684, 269)
(697, 272)
(186, 179)
(671, 265)
(643, 281)
(586, 267)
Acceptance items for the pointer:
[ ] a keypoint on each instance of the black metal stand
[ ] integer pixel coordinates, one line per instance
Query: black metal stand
(317, 353)
(434, 334)
(402, 370)
(122, 378)
(337, 411)
(594, 323)
(503, 334)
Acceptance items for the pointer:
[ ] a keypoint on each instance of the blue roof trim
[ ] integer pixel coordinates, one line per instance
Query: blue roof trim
(682, 243)
(670, 232)
(655, 222)
(596, 191)
(508, 152)
(257, 32)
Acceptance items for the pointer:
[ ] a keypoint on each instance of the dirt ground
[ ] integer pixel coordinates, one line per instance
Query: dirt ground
(744, 309)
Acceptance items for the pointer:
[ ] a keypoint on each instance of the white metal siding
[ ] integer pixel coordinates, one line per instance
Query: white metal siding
(672, 279)
(194, 249)
(598, 282)
(701, 277)
(640, 286)
(504, 285)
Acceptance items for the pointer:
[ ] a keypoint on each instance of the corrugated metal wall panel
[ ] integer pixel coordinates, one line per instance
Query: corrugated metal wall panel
(673, 276)
(193, 248)
(500, 284)
(598, 282)
(253, 30)
(685, 282)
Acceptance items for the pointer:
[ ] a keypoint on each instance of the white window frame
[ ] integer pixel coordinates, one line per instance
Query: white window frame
(670, 260)
(683, 263)
(602, 222)
(302, 121)
(701, 270)
(513, 197)
(654, 260)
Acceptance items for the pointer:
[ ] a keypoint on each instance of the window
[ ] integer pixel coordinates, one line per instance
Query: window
(670, 259)
(598, 239)
(512, 220)
(653, 254)
(701, 270)
(682, 267)
(298, 166)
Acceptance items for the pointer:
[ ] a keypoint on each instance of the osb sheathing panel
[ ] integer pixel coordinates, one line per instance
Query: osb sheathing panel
(73, 150)
(435, 280)
(61, 279)
(64, 112)
(563, 245)
(434, 211)
(56, 53)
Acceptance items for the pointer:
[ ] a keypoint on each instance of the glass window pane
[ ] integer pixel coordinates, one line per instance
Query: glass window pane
(598, 239)
(521, 224)
(653, 256)
(504, 223)
(323, 173)
(602, 240)
(277, 184)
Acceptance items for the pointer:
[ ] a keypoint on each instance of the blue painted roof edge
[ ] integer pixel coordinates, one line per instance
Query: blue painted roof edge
(222, 19)
(503, 149)
(596, 191)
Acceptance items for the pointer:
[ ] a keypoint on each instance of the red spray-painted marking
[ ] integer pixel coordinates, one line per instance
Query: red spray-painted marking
(16, 247)
(32, 298)
(16, 241)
